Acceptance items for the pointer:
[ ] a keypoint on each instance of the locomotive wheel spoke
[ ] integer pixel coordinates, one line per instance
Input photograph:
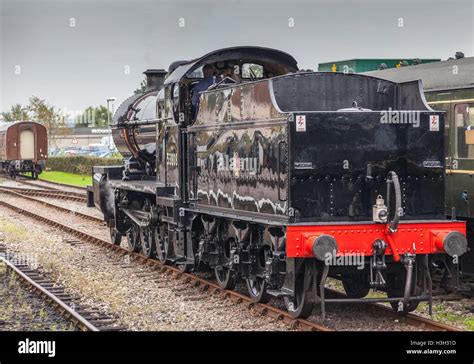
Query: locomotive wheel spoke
(257, 288)
(147, 241)
(185, 267)
(225, 277)
(162, 244)
(133, 238)
(115, 236)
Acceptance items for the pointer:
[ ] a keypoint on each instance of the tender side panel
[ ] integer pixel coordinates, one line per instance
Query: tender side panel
(339, 163)
(241, 168)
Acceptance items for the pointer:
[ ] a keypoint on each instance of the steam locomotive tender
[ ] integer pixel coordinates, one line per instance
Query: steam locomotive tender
(283, 178)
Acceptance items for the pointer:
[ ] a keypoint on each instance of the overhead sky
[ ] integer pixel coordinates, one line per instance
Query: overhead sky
(76, 54)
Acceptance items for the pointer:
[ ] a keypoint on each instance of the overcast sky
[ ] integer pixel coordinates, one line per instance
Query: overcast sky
(77, 53)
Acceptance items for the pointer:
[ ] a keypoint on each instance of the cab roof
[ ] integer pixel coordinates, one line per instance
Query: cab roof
(274, 60)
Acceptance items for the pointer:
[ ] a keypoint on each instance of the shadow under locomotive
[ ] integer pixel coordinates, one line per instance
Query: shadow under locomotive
(283, 178)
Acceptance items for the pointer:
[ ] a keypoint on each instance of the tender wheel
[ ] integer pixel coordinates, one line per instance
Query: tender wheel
(301, 305)
(133, 238)
(224, 275)
(162, 243)
(185, 267)
(356, 286)
(115, 236)
(395, 288)
(147, 240)
(257, 288)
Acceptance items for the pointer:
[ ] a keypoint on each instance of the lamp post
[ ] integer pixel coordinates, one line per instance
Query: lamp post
(110, 99)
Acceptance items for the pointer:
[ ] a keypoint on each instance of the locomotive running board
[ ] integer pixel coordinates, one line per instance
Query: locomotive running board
(267, 219)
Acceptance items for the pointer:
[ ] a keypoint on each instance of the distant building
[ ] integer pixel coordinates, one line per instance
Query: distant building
(78, 137)
(365, 65)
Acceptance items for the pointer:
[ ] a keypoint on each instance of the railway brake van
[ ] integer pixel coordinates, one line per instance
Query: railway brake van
(23, 148)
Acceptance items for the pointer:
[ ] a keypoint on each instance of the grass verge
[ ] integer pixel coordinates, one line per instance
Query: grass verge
(67, 178)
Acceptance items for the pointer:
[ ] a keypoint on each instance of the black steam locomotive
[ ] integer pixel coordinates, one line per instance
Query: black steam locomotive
(282, 178)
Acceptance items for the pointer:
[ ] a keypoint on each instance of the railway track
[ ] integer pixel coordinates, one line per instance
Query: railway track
(19, 194)
(62, 195)
(206, 285)
(274, 312)
(410, 318)
(44, 184)
(83, 318)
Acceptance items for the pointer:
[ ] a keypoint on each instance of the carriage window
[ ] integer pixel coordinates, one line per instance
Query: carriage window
(464, 121)
(252, 71)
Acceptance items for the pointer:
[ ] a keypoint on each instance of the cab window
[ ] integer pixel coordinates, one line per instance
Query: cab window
(464, 122)
(197, 73)
(252, 71)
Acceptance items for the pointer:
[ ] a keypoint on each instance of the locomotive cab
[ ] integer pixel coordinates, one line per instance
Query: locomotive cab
(230, 66)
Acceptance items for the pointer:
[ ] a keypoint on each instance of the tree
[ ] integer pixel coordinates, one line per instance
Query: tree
(47, 115)
(39, 111)
(101, 116)
(142, 87)
(94, 116)
(17, 113)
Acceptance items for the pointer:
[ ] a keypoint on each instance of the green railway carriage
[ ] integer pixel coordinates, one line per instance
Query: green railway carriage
(449, 86)
(368, 64)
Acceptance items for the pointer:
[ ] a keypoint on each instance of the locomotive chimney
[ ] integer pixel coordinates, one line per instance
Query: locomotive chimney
(154, 78)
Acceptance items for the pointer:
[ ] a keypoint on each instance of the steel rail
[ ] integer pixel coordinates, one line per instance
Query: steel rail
(263, 309)
(62, 195)
(64, 209)
(66, 311)
(55, 184)
(410, 318)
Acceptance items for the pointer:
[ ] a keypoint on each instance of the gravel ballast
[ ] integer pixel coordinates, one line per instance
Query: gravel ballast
(147, 300)
(142, 299)
(22, 310)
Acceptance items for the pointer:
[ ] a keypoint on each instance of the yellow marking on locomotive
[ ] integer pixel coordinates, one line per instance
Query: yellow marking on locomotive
(449, 101)
(465, 171)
